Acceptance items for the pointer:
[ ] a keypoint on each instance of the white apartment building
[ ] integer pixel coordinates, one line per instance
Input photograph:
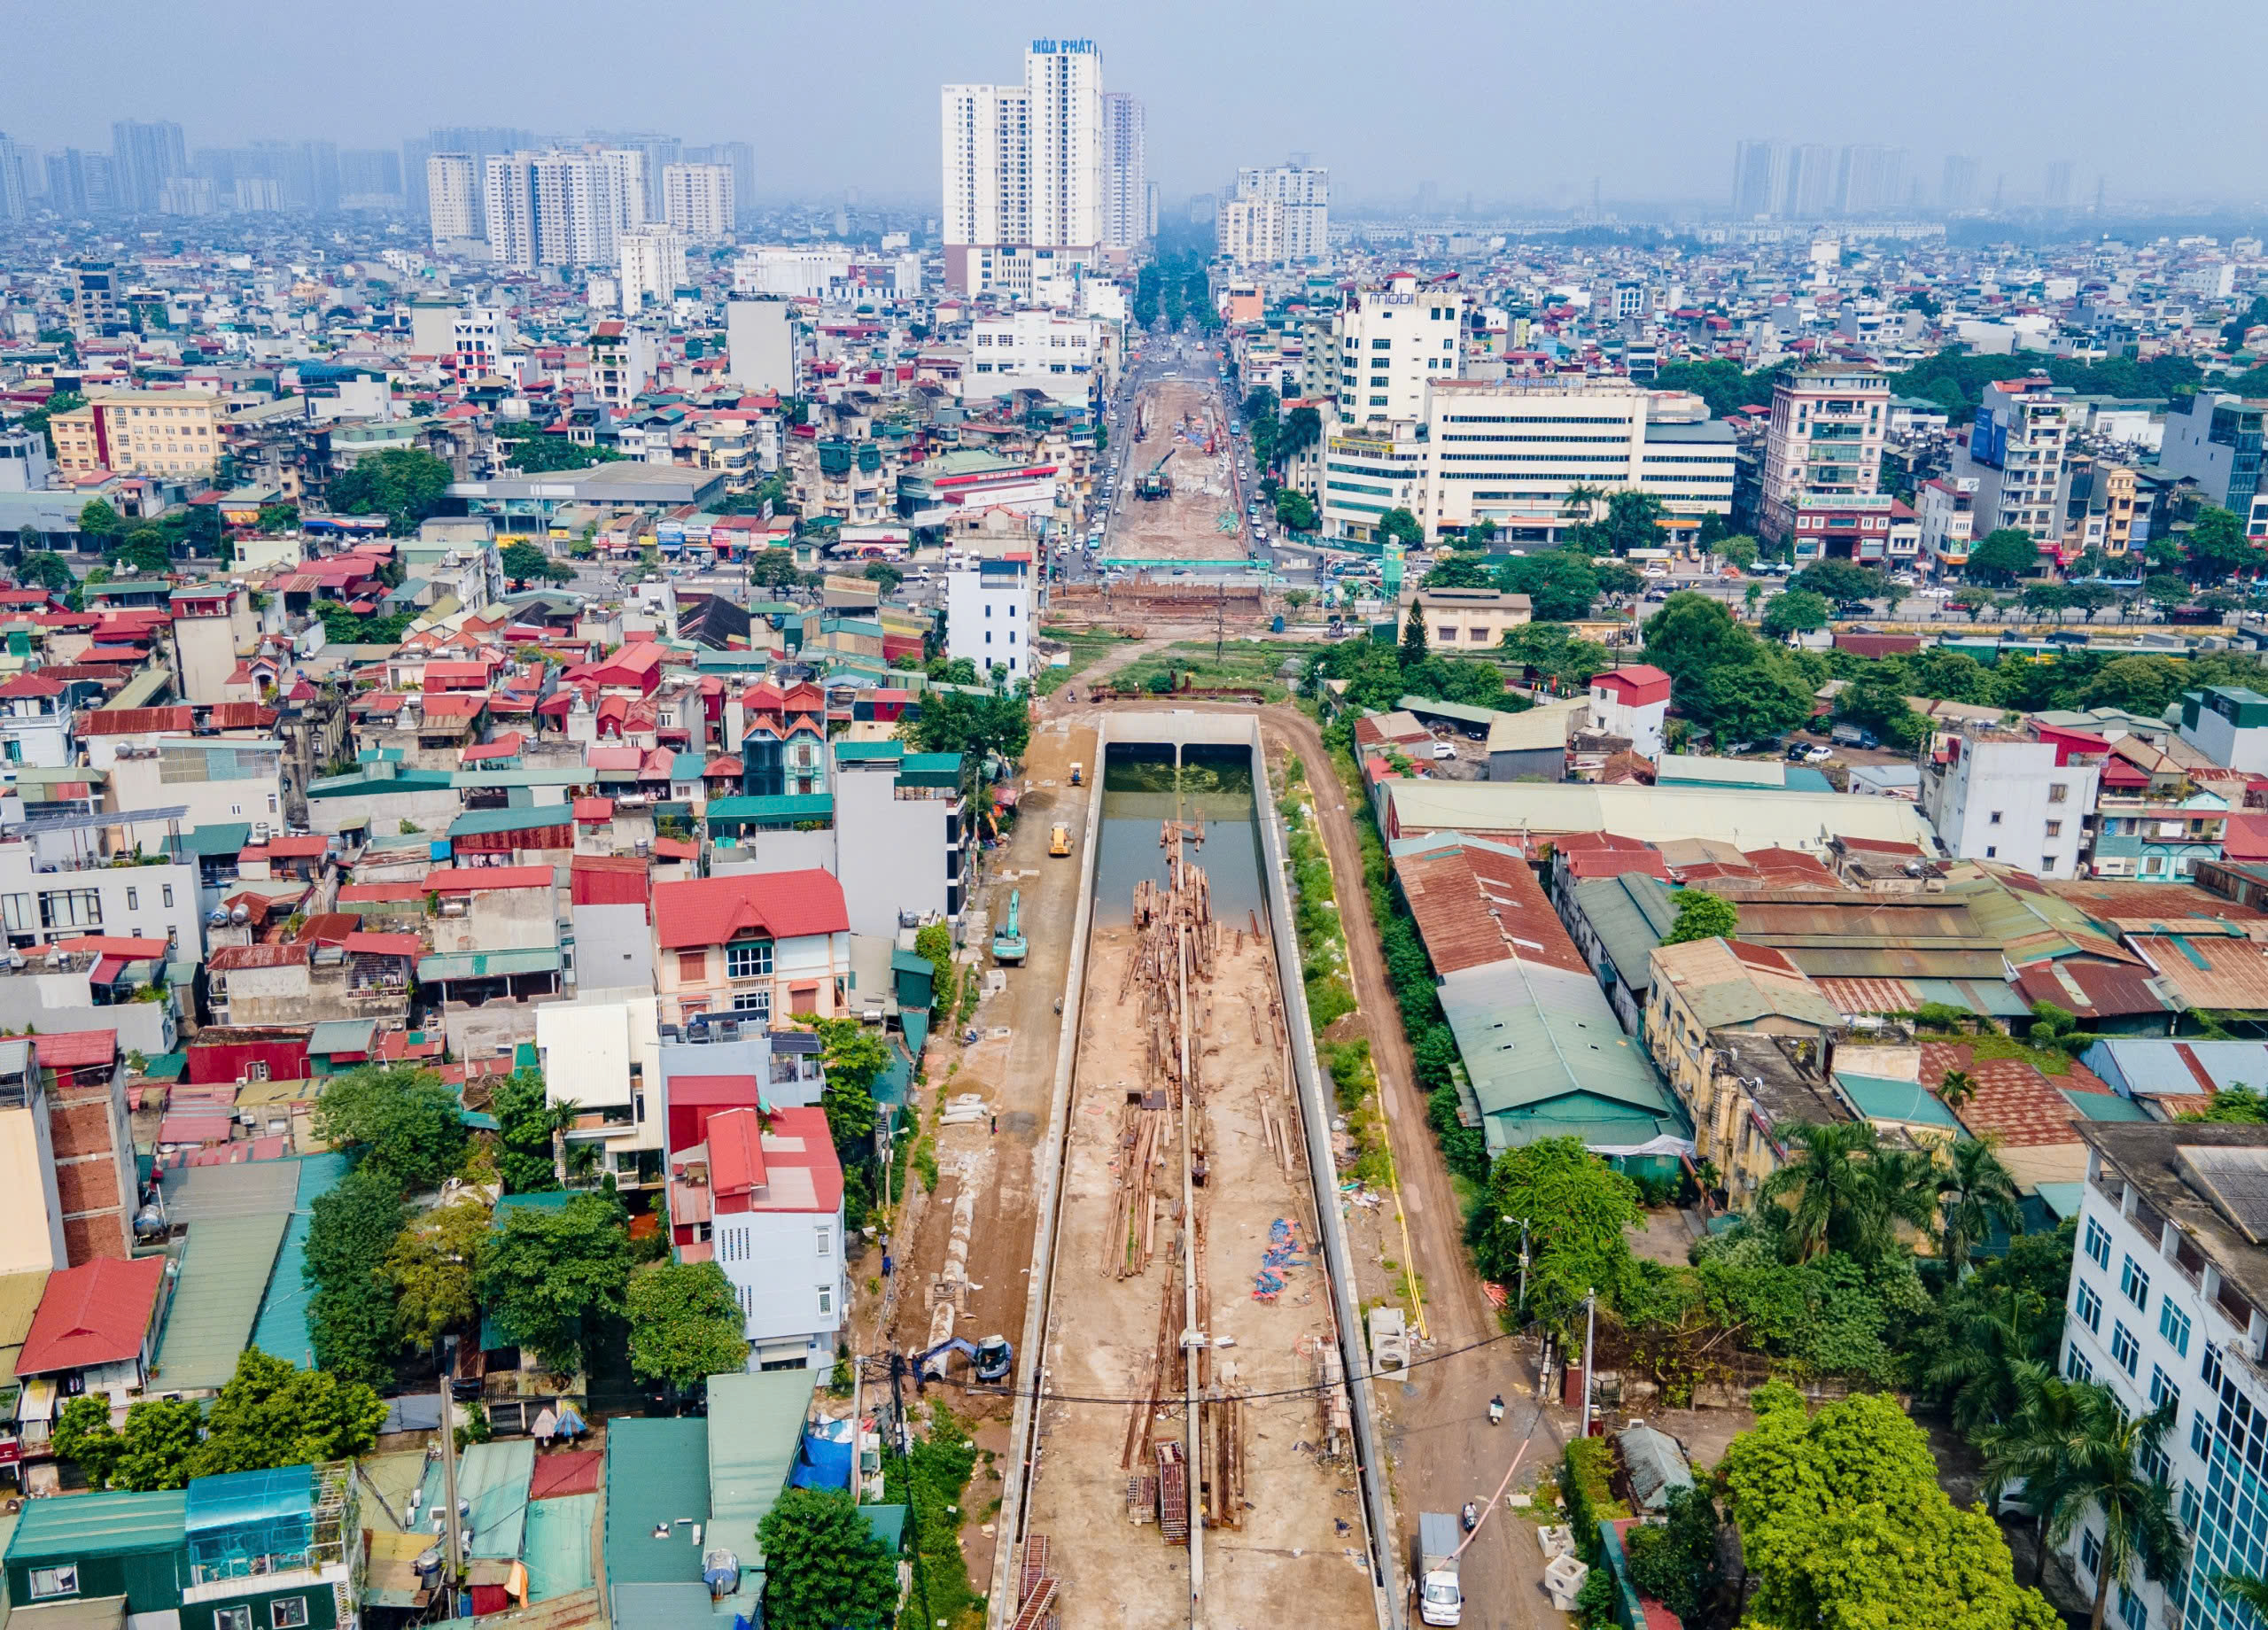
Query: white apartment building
(760, 350)
(2017, 452)
(697, 200)
(453, 197)
(1392, 341)
(562, 208)
(1038, 349)
(1284, 212)
(1125, 172)
(2006, 798)
(2165, 1307)
(1367, 470)
(476, 337)
(653, 265)
(1024, 166)
(989, 617)
(1824, 441)
(1947, 510)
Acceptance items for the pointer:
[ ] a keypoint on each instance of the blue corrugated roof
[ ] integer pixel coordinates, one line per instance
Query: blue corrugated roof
(281, 1331)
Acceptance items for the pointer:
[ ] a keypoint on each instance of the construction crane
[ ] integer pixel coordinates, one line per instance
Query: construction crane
(1154, 483)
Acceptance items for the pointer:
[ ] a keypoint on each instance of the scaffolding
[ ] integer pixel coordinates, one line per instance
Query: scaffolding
(247, 1524)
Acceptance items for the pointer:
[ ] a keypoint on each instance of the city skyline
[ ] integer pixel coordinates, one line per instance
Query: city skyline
(1548, 146)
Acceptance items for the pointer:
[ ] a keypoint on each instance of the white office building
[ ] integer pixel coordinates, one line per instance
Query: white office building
(2018, 452)
(697, 200)
(2165, 1309)
(1025, 167)
(653, 266)
(1036, 349)
(989, 617)
(453, 194)
(1125, 172)
(1392, 340)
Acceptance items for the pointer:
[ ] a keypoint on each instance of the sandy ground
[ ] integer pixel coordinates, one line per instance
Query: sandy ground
(1187, 526)
(1299, 1538)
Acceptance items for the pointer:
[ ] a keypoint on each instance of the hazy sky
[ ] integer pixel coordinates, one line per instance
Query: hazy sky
(1510, 101)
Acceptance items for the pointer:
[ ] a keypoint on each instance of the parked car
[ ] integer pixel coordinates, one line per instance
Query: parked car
(1444, 750)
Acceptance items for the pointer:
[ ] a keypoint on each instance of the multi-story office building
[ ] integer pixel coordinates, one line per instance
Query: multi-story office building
(2214, 440)
(2165, 1309)
(95, 286)
(1824, 441)
(1390, 342)
(1125, 172)
(140, 433)
(144, 156)
(452, 197)
(697, 200)
(989, 616)
(2017, 451)
(653, 266)
(1025, 167)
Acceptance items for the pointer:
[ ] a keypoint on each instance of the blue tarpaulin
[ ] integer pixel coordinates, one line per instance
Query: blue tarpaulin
(821, 1463)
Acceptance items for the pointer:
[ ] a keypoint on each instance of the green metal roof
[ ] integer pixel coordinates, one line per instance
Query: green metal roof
(486, 964)
(1545, 1055)
(226, 837)
(868, 751)
(281, 1329)
(111, 1524)
(755, 1423)
(377, 780)
(494, 1477)
(1882, 1097)
(557, 1545)
(776, 806)
(657, 1471)
(2106, 1105)
(930, 770)
(522, 818)
(342, 1036)
(1693, 770)
(215, 1302)
(886, 1523)
(1630, 914)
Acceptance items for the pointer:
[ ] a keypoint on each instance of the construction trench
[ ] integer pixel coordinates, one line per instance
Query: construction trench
(1186, 1445)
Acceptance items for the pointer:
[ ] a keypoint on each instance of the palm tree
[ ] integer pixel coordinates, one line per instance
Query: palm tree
(1901, 1188)
(2252, 1593)
(1830, 1183)
(1581, 502)
(1957, 1088)
(1977, 1194)
(2082, 1459)
(1988, 1335)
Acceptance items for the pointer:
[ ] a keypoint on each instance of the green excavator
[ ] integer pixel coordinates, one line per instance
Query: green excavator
(1008, 942)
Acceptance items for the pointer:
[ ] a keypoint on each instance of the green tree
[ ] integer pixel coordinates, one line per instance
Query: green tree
(99, 521)
(1552, 650)
(2084, 1461)
(2003, 556)
(1398, 524)
(2048, 597)
(1295, 511)
(273, 1414)
(2234, 1103)
(527, 1121)
(1631, 515)
(2216, 549)
(403, 483)
(435, 1267)
(142, 552)
(685, 1323)
(1703, 916)
(532, 451)
(1794, 611)
(276, 518)
(523, 561)
(1982, 1333)
(959, 670)
(2145, 685)
(159, 1448)
(2089, 598)
(1841, 582)
(851, 1059)
(1581, 502)
(550, 1274)
(823, 1567)
(43, 568)
(1460, 571)
(1843, 1523)
(350, 1314)
(40, 418)
(882, 572)
(1302, 429)
(1693, 633)
(1977, 1195)
(1575, 1208)
(1561, 585)
(1738, 551)
(774, 568)
(1413, 636)
(2165, 591)
(1675, 1562)
(1759, 698)
(955, 722)
(406, 1121)
(1827, 1172)
(1877, 702)
(84, 1436)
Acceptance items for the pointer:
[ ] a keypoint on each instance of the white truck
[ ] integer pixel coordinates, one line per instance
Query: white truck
(1440, 1599)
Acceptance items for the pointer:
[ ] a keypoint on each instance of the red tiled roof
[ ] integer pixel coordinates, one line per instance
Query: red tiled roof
(96, 1314)
(2013, 1099)
(709, 911)
(116, 945)
(594, 809)
(31, 685)
(472, 880)
(135, 721)
(736, 1152)
(359, 945)
(453, 704)
(1475, 906)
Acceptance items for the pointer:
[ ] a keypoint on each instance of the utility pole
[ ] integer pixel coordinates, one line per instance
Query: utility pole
(1590, 1337)
(453, 1548)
